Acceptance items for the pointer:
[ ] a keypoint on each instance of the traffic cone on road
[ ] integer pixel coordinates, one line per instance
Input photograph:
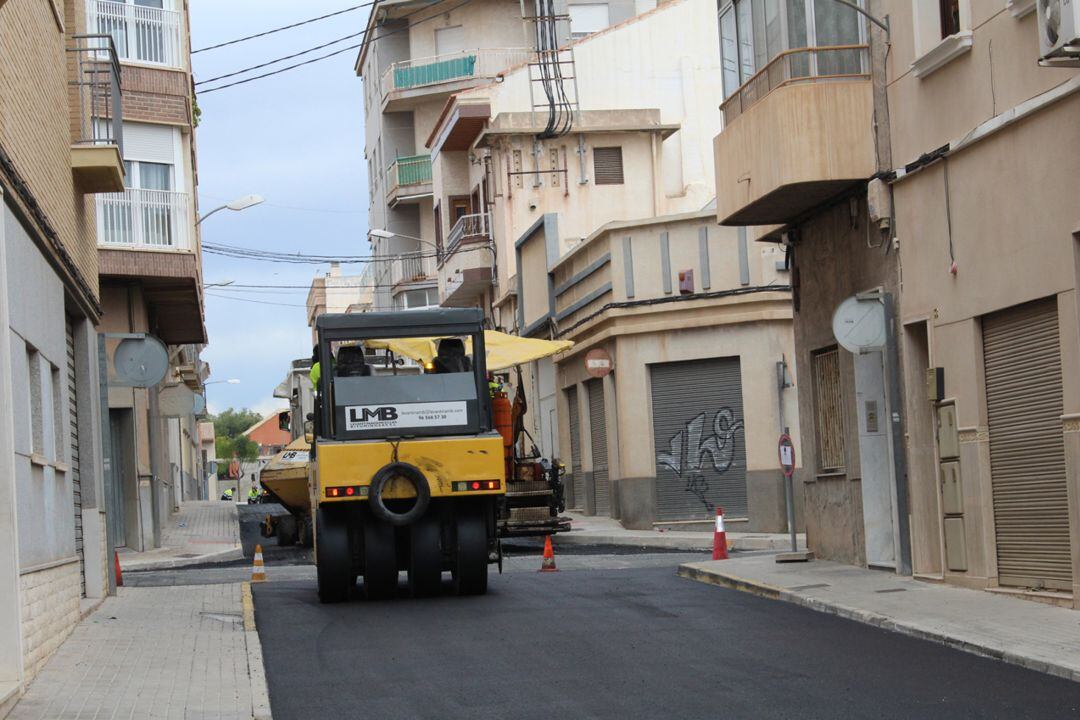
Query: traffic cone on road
(258, 574)
(719, 543)
(116, 565)
(548, 564)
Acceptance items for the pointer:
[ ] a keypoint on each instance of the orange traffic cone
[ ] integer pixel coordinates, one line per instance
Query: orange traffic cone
(548, 565)
(719, 551)
(258, 574)
(119, 575)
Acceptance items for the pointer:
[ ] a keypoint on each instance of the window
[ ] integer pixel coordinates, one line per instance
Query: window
(37, 415)
(143, 30)
(950, 17)
(752, 33)
(417, 299)
(608, 166)
(460, 206)
(587, 19)
(828, 410)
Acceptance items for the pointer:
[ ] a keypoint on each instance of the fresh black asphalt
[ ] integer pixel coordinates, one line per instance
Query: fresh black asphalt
(619, 644)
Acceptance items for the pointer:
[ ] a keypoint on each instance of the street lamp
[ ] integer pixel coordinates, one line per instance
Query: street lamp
(390, 235)
(230, 381)
(236, 205)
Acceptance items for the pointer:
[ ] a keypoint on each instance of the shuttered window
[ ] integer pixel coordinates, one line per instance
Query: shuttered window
(607, 165)
(828, 410)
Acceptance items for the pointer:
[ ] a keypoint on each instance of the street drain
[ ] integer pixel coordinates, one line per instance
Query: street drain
(224, 617)
(891, 590)
(809, 587)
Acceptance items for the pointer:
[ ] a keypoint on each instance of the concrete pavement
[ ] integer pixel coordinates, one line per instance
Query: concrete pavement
(591, 530)
(183, 653)
(1022, 632)
(201, 531)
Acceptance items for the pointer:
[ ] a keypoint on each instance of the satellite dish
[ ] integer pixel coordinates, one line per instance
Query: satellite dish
(141, 362)
(859, 323)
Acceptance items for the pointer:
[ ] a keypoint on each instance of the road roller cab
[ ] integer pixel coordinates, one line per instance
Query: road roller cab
(407, 468)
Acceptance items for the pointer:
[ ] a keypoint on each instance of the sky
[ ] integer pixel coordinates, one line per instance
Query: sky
(297, 139)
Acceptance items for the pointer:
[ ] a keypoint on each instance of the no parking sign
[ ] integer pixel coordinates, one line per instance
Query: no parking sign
(786, 451)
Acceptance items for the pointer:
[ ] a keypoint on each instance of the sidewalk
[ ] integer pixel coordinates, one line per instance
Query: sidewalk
(202, 531)
(188, 652)
(1022, 632)
(589, 530)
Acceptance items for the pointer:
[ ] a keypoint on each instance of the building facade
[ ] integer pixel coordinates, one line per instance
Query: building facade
(922, 155)
(528, 222)
(58, 149)
(151, 268)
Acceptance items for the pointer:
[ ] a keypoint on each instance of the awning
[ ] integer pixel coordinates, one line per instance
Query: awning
(503, 351)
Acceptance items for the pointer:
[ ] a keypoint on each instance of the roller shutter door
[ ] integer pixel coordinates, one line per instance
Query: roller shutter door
(577, 479)
(73, 454)
(598, 421)
(1022, 357)
(698, 434)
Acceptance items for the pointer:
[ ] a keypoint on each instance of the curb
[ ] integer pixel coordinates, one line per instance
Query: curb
(866, 617)
(260, 693)
(672, 542)
(236, 553)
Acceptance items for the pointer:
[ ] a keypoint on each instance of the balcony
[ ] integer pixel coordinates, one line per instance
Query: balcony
(795, 135)
(145, 220)
(412, 268)
(409, 179)
(465, 267)
(142, 34)
(96, 155)
(420, 77)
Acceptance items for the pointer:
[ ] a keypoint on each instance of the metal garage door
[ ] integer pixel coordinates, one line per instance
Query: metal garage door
(598, 421)
(698, 434)
(577, 479)
(73, 455)
(1024, 403)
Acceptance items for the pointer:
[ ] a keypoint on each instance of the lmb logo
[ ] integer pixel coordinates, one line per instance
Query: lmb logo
(382, 414)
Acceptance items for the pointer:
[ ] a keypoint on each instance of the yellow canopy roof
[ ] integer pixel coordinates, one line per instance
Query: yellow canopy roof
(503, 351)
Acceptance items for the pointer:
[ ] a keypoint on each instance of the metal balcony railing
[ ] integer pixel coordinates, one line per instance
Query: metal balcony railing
(147, 219)
(468, 228)
(142, 34)
(480, 63)
(97, 78)
(414, 170)
(802, 65)
(412, 267)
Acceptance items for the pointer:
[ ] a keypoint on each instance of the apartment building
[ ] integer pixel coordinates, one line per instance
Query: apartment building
(151, 268)
(921, 153)
(59, 148)
(522, 220)
(416, 55)
(333, 292)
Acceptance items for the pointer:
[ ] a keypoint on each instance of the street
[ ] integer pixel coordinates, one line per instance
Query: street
(636, 642)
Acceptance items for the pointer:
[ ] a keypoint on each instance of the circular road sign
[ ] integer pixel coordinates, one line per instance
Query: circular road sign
(786, 452)
(598, 362)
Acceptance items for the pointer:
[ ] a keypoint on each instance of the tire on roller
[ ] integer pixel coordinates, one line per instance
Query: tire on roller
(333, 556)
(470, 553)
(378, 485)
(425, 557)
(380, 560)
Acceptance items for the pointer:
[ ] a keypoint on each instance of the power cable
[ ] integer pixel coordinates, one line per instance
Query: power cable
(305, 259)
(327, 55)
(283, 27)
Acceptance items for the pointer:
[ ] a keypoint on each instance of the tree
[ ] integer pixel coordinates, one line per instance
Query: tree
(229, 426)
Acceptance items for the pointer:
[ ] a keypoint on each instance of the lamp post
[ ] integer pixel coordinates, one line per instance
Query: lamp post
(390, 235)
(236, 205)
(230, 381)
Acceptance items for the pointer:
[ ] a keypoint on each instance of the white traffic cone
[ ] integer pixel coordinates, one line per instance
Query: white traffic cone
(258, 573)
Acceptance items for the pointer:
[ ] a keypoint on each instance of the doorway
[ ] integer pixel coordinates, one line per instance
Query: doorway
(876, 460)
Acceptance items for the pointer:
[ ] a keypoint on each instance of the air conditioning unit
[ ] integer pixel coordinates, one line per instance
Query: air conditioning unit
(1059, 33)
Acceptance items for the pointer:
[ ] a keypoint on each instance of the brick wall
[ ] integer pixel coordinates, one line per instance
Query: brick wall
(156, 95)
(36, 128)
(50, 611)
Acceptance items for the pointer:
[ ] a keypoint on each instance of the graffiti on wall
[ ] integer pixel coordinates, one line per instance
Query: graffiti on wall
(690, 449)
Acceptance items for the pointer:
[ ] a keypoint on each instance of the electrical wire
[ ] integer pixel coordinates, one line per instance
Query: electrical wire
(306, 259)
(327, 55)
(284, 27)
(283, 58)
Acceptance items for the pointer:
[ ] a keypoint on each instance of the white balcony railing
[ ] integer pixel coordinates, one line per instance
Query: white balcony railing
(468, 227)
(479, 63)
(412, 267)
(148, 219)
(142, 34)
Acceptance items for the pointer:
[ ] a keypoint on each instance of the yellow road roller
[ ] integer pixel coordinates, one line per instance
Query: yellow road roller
(407, 470)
